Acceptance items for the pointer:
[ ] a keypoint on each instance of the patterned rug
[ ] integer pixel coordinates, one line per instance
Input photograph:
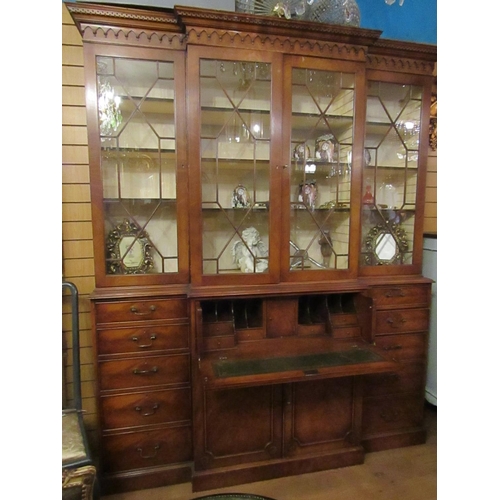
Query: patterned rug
(233, 496)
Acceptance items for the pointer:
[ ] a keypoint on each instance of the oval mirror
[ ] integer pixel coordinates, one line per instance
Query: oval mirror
(385, 247)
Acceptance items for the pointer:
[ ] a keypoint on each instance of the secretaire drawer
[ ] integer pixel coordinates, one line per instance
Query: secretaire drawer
(404, 346)
(146, 372)
(143, 339)
(401, 295)
(392, 413)
(404, 320)
(147, 449)
(138, 310)
(146, 408)
(410, 378)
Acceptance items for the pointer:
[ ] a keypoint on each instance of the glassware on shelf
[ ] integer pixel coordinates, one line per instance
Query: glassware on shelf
(368, 196)
(386, 195)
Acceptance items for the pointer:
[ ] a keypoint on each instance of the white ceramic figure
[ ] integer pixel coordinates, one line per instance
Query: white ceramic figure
(249, 250)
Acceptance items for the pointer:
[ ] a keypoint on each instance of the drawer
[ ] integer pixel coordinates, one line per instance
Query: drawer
(410, 378)
(139, 310)
(404, 320)
(386, 414)
(154, 407)
(401, 295)
(146, 372)
(143, 339)
(404, 346)
(146, 449)
(217, 343)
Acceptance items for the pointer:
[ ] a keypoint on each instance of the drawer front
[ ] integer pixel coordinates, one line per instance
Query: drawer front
(143, 339)
(392, 413)
(146, 449)
(401, 295)
(139, 310)
(404, 346)
(154, 407)
(217, 343)
(410, 378)
(147, 372)
(404, 320)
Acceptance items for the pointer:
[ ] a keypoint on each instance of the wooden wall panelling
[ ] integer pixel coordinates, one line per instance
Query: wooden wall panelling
(78, 266)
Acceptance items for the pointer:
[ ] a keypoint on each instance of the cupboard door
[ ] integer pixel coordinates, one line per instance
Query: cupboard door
(240, 426)
(234, 182)
(319, 134)
(395, 151)
(137, 158)
(309, 409)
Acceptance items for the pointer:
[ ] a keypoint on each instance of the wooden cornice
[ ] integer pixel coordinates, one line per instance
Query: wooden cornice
(181, 25)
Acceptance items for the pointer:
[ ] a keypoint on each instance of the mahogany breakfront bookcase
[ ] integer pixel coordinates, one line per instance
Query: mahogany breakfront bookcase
(257, 193)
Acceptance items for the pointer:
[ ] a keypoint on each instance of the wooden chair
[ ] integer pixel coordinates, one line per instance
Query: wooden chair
(78, 471)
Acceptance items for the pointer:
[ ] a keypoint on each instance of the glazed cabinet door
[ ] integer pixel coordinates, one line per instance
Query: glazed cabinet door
(322, 153)
(394, 162)
(137, 149)
(234, 102)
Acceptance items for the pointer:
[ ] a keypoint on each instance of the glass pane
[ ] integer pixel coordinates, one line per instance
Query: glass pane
(321, 156)
(138, 163)
(390, 173)
(235, 152)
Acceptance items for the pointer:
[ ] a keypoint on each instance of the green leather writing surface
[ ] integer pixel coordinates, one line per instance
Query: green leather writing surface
(306, 363)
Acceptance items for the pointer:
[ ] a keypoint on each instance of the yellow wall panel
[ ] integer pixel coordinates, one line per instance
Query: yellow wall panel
(77, 230)
(75, 174)
(73, 115)
(72, 56)
(74, 96)
(77, 249)
(75, 193)
(73, 75)
(76, 212)
(74, 135)
(75, 154)
(78, 267)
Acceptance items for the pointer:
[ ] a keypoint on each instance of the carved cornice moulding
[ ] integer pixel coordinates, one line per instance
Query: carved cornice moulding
(111, 34)
(395, 64)
(281, 44)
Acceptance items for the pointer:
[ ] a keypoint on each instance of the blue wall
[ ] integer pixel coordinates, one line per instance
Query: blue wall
(415, 20)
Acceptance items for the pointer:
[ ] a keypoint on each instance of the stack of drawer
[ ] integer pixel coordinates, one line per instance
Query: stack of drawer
(144, 385)
(393, 404)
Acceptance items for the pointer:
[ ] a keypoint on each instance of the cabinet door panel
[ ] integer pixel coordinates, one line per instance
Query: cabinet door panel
(241, 425)
(313, 405)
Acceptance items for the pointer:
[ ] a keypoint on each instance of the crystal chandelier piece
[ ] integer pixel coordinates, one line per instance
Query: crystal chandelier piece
(110, 116)
(344, 12)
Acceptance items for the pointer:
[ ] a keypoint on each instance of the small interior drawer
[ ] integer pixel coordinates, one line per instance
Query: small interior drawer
(140, 310)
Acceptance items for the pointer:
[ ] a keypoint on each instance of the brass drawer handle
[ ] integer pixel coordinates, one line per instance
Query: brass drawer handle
(145, 372)
(155, 452)
(393, 347)
(395, 292)
(147, 413)
(144, 346)
(395, 323)
(135, 311)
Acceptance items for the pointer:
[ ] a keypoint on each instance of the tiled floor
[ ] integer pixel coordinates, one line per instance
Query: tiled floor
(401, 474)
